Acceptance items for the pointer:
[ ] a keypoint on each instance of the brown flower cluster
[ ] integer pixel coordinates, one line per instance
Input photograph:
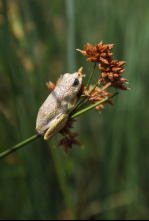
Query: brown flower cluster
(69, 137)
(98, 95)
(111, 70)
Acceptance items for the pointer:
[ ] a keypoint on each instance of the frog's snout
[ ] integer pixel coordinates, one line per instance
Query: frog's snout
(81, 75)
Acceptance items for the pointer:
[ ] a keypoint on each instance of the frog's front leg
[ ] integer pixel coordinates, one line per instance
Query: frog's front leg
(72, 104)
(57, 126)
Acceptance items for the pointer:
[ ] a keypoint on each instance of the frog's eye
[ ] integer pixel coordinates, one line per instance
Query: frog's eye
(76, 82)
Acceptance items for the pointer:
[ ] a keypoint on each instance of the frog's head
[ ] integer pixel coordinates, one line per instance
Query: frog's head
(73, 81)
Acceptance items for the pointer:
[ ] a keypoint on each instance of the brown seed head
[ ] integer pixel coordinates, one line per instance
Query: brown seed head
(111, 70)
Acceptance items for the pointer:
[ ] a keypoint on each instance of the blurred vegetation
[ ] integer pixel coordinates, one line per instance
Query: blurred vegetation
(109, 177)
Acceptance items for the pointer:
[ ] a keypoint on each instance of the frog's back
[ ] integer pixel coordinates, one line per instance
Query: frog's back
(49, 109)
(46, 113)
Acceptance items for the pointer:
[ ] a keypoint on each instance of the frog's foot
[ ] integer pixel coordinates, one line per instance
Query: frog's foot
(85, 95)
(56, 126)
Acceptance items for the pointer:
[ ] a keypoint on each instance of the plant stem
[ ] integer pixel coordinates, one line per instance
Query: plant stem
(16, 147)
(88, 108)
(93, 88)
(36, 136)
(92, 106)
(90, 78)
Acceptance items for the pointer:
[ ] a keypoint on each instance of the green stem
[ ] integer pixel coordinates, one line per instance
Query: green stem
(18, 146)
(92, 106)
(36, 136)
(93, 88)
(90, 78)
(88, 108)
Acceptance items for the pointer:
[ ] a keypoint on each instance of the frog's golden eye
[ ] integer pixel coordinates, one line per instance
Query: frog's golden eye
(76, 82)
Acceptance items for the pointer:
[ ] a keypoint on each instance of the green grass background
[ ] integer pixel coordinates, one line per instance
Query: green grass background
(109, 177)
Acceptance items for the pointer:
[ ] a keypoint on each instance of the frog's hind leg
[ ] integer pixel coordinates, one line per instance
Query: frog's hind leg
(56, 126)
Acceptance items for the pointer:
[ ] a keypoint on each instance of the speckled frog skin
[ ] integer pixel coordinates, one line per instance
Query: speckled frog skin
(53, 114)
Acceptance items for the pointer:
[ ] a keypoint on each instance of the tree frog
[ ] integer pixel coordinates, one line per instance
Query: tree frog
(54, 112)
